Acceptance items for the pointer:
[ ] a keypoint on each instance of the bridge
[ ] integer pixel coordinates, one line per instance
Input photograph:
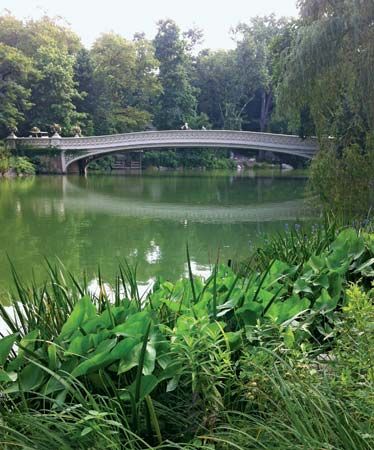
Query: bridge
(73, 154)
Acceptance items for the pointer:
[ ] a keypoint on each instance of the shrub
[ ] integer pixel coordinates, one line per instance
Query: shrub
(22, 165)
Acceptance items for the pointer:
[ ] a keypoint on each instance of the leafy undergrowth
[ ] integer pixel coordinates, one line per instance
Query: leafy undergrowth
(279, 358)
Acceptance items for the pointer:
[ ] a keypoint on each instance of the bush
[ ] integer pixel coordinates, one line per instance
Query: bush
(22, 165)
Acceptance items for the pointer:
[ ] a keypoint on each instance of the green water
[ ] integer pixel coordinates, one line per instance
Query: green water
(100, 220)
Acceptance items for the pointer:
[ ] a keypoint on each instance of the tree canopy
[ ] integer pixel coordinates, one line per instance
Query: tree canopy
(122, 85)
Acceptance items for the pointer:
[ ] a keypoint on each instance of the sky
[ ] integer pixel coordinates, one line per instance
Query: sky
(90, 18)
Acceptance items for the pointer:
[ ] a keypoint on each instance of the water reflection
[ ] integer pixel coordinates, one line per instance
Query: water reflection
(100, 220)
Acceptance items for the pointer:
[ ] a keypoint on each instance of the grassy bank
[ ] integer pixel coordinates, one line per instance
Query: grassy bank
(276, 355)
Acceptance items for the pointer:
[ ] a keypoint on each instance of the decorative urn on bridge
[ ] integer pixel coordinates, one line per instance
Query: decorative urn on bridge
(56, 130)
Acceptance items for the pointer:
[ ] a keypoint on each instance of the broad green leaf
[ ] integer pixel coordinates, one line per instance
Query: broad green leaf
(6, 377)
(128, 352)
(317, 263)
(301, 286)
(31, 377)
(338, 262)
(363, 268)
(94, 363)
(325, 301)
(149, 360)
(83, 311)
(147, 384)
(322, 280)
(249, 313)
(234, 339)
(6, 345)
(335, 285)
(171, 304)
(52, 385)
(172, 384)
(281, 311)
(172, 370)
(79, 345)
(135, 326)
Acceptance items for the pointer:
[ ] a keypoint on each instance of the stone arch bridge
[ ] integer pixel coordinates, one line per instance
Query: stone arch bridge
(73, 154)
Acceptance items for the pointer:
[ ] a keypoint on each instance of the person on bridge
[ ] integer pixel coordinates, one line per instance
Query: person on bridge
(185, 126)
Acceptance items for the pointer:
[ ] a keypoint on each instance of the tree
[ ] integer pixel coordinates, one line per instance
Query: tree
(50, 48)
(15, 71)
(177, 102)
(224, 95)
(328, 71)
(55, 91)
(83, 76)
(124, 76)
(329, 68)
(255, 58)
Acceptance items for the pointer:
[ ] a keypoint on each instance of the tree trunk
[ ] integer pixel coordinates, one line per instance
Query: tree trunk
(266, 104)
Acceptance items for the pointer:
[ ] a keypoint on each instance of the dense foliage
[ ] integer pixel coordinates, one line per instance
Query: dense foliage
(237, 361)
(17, 165)
(120, 85)
(325, 79)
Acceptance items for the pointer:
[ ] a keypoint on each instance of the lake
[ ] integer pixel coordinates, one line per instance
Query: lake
(145, 218)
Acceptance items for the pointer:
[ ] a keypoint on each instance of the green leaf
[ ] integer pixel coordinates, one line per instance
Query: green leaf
(363, 267)
(335, 285)
(325, 301)
(83, 311)
(301, 286)
(27, 343)
(135, 326)
(282, 311)
(322, 280)
(6, 377)
(147, 384)
(172, 384)
(128, 352)
(6, 345)
(86, 431)
(31, 377)
(52, 385)
(92, 364)
(249, 313)
(234, 339)
(172, 370)
(289, 337)
(52, 356)
(79, 345)
(317, 263)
